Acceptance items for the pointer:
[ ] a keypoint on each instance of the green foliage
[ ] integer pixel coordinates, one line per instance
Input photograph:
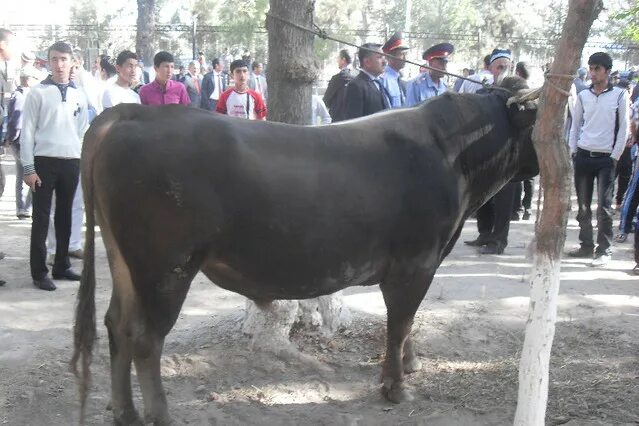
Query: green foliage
(627, 23)
(244, 21)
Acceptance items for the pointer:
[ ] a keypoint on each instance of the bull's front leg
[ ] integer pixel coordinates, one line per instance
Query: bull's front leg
(402, 300)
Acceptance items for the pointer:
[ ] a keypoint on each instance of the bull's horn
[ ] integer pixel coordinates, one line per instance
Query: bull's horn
(524, 95)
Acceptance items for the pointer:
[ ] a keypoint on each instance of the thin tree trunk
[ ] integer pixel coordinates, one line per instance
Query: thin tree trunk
(145, 31)
(551, 231)
(291, 72)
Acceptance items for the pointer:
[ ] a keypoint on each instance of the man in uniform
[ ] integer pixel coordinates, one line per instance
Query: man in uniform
(365, 94)
(391, 79)
(430, 83)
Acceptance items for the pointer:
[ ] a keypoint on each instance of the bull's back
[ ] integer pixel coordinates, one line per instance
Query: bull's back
(288, 208)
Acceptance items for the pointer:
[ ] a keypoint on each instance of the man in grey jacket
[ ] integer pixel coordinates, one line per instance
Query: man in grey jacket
(257, 81)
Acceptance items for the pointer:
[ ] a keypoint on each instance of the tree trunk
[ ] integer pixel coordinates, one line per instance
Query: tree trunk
(551, 231)
(145, 31)
(291, 72)
(292, 68)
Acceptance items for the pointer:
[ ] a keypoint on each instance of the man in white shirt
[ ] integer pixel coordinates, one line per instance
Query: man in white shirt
(319, 111)
(86, 82)
(90, 87)
(55, 119)
(213, 85)
(257, 82)
(483, 76)
(597, 140)
(493, 218)
(121, 92)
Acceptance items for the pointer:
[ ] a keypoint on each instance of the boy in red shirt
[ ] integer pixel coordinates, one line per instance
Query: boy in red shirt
(240, 101)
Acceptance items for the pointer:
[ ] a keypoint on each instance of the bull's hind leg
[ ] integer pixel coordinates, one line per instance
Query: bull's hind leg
(410, 361)
(118, 322)
(402, 294)
(161, 303)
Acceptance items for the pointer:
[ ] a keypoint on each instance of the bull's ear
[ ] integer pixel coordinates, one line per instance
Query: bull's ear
(522, 107)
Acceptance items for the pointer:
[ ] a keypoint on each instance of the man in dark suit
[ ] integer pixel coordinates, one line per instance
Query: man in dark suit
(213, 85)
(365, 94)
(336, 90)
(192, 83)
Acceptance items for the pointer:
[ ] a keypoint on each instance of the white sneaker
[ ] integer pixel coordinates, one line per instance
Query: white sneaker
(601, 260)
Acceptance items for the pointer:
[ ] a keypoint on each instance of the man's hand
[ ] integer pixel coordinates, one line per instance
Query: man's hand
(631, 141)
(32, 181)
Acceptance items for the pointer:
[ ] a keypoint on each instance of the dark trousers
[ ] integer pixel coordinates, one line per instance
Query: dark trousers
(622, 173)
(525, 186)
(493, 218)
(60, 176)
(587, 169)
(629, 205)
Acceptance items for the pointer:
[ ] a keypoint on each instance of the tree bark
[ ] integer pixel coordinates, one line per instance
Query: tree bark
(144, 37)
(292, 70)
(551, 230)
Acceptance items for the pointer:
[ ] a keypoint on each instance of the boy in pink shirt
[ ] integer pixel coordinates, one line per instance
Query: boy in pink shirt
(163, 90)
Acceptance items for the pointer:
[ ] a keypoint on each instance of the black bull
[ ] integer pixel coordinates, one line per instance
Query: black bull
(275, 211)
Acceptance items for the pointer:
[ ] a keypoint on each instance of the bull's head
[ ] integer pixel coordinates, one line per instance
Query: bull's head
(522, 111)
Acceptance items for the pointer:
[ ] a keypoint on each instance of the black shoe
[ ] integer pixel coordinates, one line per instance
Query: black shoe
(582, 252)
(44, 284)
(69, 275)
(526, 215)
(23, 216)
(514, 217)
(491, 249)
(476, 243)
(2, 282)
(1, 255)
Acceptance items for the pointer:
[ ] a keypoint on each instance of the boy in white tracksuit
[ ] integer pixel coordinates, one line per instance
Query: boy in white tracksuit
(55, 119)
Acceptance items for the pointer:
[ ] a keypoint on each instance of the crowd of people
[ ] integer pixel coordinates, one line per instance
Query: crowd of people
(46, 113)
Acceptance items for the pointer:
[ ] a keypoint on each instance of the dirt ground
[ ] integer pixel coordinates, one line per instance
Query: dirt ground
(469, 331)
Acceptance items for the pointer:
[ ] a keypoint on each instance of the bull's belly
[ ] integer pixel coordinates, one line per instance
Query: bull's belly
(277, 285)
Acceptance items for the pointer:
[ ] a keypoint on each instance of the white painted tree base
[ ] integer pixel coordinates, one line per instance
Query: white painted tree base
(540, 331)
(270, 326)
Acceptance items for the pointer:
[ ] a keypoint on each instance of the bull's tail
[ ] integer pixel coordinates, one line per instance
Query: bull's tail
(84, 330)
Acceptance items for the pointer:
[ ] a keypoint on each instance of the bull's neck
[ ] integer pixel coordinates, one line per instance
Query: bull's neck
(485, 176)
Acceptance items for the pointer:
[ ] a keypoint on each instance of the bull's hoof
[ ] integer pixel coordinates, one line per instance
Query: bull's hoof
(411, 366)
(396, 393)
(158, 420)
(130, 418)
